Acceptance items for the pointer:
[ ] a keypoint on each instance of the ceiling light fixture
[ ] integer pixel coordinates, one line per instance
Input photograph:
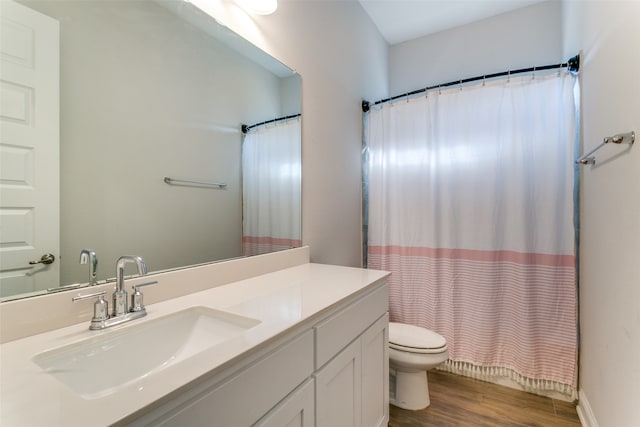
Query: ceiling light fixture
(260, 7)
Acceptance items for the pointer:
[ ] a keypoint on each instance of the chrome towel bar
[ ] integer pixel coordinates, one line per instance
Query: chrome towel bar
(622, 138)
(173, 181)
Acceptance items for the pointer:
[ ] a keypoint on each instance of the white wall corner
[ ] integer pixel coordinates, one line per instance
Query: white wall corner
(587, 419)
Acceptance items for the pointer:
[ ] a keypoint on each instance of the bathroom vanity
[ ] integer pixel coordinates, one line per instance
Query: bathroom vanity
(307, 346)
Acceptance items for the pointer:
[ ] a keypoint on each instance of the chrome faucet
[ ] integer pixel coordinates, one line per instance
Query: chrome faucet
(120, 314)
(87, 256)
(120, 295)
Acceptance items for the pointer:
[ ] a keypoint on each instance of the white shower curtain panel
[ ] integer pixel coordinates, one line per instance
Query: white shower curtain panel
(271, 172)
(471, 209)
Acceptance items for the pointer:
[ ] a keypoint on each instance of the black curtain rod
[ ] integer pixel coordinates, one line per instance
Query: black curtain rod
(247, 128)
(573, 65)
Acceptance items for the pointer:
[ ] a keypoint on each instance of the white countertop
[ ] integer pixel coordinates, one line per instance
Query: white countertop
(280, 300)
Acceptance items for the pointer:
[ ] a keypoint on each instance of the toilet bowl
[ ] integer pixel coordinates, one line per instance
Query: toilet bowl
(412, 352)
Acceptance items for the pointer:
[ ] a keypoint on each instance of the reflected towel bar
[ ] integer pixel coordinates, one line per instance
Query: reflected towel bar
(623, 138)
(173, 181)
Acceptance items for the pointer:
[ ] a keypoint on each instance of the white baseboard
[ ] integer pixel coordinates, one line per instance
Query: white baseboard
(587, 419)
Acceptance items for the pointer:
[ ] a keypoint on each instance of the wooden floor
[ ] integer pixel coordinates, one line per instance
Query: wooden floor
(460, 401)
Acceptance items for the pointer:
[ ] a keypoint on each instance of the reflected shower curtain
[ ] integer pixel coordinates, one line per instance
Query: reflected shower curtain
(471, 207)
(271, 171)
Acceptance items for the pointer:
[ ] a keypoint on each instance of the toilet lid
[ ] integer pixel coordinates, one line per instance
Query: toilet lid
(414, 338)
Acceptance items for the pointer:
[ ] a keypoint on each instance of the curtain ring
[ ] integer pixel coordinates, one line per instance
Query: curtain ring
(484, 79)
(439, 90)
(460, 85)
(533, 74)
(508, 76)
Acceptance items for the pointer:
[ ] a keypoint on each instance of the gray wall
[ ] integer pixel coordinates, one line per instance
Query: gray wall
(609, 210)
(523, 38)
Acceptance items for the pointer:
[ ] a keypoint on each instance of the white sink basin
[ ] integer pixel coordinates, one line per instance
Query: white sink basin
(101, 365)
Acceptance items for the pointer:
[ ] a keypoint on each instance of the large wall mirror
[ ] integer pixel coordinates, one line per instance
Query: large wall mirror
(146, 90)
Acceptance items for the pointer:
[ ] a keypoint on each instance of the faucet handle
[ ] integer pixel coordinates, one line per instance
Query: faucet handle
(87, 296)
(100, 308)
(136, 297)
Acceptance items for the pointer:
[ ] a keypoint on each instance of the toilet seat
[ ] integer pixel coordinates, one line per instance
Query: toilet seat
(414, 339)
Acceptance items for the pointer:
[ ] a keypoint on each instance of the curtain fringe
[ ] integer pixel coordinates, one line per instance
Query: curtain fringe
(495, 373)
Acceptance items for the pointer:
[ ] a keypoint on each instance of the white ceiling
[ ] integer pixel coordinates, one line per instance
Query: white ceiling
(402, 20)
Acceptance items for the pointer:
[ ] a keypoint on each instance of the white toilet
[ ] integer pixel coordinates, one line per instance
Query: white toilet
(412, 351)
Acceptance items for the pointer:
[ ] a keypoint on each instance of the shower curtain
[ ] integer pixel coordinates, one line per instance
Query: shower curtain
(271, 171)
(471, 207)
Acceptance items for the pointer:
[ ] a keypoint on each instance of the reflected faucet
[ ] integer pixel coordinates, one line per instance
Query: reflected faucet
(90, 257)
(120, 295)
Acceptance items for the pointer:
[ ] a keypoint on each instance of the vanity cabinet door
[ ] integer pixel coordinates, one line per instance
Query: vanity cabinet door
(353, 388)
(297, 410)
(375, 374)
(338, 385)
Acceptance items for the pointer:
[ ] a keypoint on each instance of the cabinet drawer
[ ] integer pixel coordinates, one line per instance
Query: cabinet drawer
(244, 398)
(336, 332)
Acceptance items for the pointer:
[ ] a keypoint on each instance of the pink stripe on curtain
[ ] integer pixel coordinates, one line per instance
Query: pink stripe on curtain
(255, 245)
(476, 255)
(495, 308)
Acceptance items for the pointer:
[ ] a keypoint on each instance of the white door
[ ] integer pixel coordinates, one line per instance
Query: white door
(29, 149)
